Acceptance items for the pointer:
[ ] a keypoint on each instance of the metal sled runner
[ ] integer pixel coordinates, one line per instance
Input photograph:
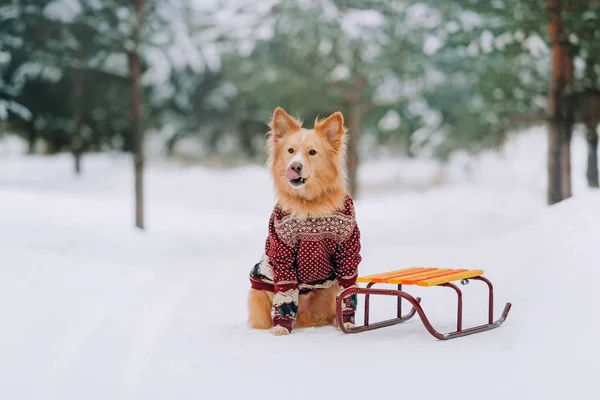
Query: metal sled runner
(424, 277)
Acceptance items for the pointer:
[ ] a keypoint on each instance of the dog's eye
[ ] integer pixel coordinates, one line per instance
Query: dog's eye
(312, 152)
(290, 150)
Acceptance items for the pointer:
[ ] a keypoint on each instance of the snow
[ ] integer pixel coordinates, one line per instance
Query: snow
(487, 42)
(420, 15)
(470, 20)
(536, 46)
(432, 44)
(390, 121)
(340, 72)
(32, 69)
(62, 10)
(115, 63)
(18, 109)
(5, 57)
(93, 309)
(357, 23)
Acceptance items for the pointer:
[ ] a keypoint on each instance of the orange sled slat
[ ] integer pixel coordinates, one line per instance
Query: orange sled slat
(386, 278)
(449, 278)
(411, 280)
(367, 278)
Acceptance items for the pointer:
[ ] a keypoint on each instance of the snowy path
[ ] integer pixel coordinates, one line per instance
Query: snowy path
(93, 310)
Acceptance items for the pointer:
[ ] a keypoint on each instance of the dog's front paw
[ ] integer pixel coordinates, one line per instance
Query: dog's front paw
(279, 330)
(347, 325)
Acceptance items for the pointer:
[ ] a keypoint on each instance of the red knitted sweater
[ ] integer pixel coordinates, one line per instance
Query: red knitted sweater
(308, 254)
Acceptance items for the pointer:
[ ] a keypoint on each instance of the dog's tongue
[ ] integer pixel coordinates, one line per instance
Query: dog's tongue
(291, 174)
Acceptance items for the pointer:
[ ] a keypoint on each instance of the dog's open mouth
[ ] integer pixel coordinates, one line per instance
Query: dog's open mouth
(294, 179)
(298, 182)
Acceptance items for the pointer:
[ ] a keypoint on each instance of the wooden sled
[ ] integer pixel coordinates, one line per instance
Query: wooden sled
(424, 277)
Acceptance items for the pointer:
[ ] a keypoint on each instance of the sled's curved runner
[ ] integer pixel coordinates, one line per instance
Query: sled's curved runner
(424, 277)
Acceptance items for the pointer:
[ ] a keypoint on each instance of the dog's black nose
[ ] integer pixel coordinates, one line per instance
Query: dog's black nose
(296, 166)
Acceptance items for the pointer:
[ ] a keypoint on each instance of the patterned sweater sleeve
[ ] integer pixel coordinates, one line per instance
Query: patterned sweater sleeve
(347, 258)
(285, 279)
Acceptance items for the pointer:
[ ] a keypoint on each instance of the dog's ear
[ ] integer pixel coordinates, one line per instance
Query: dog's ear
(332, 128)
(282, 124)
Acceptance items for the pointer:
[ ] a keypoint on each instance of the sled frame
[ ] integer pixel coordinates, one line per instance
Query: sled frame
(417, 309)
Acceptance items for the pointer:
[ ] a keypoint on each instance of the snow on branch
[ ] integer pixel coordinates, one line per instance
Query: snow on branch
(63, 10)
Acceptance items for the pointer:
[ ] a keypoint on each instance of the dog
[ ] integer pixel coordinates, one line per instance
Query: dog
(312, 250)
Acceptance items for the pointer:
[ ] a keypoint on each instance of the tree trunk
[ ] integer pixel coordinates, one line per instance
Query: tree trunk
(32, 136)
(592, 165)
(77, 148)
(136, 116)
(356, 116)
(76, 143)
(560, 109)
(592, 119)
(355, 123)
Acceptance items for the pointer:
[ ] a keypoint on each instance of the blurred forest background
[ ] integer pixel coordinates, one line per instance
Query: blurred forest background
(202, 77)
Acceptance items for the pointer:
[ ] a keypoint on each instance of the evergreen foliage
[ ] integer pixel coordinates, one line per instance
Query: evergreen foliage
(427, 75)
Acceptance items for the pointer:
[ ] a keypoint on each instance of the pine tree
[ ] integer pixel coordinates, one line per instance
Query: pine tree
(323, 57)
(560, 106)
(585, 22)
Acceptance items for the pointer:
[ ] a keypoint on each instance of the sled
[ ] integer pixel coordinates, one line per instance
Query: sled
(424, 277)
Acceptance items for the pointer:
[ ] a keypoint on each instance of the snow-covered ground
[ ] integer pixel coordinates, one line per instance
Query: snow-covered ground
(92, 309)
